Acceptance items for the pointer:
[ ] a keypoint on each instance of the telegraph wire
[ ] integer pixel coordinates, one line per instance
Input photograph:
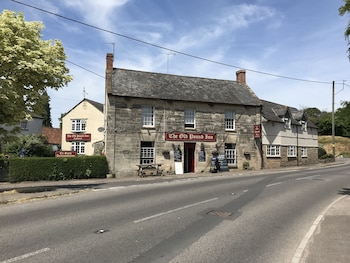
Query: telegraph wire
(164, 48)
(84, 68)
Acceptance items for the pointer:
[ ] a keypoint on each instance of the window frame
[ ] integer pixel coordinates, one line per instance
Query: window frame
(147, 152)
(291, 151)
(78, 147)
(147, 116)
(190, 118)
(275, 148)
(303, 152)
(82, 125)
(230, 121)
(231, 153)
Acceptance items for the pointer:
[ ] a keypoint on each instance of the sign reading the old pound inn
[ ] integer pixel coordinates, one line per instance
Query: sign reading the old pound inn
(85, 137)
(187, 136)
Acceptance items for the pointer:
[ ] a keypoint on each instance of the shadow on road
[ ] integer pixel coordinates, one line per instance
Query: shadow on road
(344, 191)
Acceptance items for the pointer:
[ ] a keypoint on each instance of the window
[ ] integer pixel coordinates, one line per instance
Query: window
(287, 123)
(79, 125)
(229, 120)
(78, 147)
(303, 125)
(272, 150)
(292, 151)
(147, 153)
(190, 118)
(147, 116)
(230, 153)
(303, 152)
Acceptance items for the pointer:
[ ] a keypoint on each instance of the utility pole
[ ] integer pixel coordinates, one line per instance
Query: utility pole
(333, 122)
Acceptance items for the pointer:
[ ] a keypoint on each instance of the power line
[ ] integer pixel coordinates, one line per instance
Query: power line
(165, 48)
(85, 68)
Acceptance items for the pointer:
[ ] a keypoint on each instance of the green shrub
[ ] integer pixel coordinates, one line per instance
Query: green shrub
(51, 168)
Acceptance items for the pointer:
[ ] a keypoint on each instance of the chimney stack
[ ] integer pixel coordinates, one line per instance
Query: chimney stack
(240, 77)
(109, 62)
(109, 71)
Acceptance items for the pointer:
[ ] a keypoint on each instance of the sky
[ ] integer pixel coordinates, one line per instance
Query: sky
(292, 51)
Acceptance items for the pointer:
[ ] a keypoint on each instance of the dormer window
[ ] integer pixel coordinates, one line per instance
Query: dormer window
(287, 122)
(303, 125)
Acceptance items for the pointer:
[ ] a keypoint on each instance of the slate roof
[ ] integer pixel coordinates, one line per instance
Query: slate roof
(96, 104)
(131, 83)
(275, 112)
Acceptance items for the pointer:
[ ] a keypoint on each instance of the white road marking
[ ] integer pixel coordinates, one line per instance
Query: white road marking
(300, 250)
(308, 177)
(273, 184)
(174, 210)
(26, 255)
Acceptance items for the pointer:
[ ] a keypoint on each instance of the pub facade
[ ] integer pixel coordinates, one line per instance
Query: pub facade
(179, 123)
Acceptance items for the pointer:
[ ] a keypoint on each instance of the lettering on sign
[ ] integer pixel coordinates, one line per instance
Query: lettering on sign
(257, 131)
(65, 154)
(184, 136)
(86, 137)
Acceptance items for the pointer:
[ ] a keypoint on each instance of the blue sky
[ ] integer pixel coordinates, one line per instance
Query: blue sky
(294, 39)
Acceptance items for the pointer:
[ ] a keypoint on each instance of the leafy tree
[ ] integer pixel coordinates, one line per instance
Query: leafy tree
(28, 66)
(32, 145)
(342, 11)
(342, 119)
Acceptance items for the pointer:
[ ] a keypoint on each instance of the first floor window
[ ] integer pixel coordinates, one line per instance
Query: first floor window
(147, 153)
(230, 120)
(24, 125)
(78, 125)
(78, 147)
(292, 151)
(273, 150)
(230, 153)
(190, 117)
(303, 152)
(147, 116)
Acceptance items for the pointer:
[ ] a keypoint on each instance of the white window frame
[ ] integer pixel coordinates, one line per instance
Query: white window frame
(78, 147)
(230, 154)
(303, 125)
(287, 122)
(273, 150)
(304, 152)
(147, 153)
(292, 151)
(24, 125)
(190, 118)
(78, 125)
(230, 121)
(147, 116)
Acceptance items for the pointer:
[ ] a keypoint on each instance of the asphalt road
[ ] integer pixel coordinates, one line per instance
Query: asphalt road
(260, 218)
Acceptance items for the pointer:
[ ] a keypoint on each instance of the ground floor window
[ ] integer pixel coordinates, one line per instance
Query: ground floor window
(292, 151)
(230, 153)
(78, 147)
(273, 150)
(303, 152)
(147, 152)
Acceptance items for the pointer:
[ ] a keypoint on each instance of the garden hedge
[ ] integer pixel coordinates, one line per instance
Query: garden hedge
(53, 168)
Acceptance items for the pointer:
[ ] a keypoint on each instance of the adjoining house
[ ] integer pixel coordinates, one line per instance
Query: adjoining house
(53, 136)
(179, 122)
(288, 137)
(83, 128)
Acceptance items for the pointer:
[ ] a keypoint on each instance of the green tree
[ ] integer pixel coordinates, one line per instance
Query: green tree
(342, 119)
(342, 11)
(32, 145)
(28, 66)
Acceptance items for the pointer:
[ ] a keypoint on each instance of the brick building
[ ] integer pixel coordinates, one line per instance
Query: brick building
(178, 122)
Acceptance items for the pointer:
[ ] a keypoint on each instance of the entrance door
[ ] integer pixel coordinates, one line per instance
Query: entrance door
(189, 149)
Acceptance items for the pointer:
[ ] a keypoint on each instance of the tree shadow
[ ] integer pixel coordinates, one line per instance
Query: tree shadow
(344, 191)
(39, 189)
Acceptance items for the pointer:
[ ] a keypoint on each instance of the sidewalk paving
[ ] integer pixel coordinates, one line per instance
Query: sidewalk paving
(327, 241)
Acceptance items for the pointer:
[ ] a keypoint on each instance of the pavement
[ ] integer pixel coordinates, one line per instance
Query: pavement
(328, 239)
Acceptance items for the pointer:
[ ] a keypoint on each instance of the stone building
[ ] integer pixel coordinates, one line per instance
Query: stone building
(178, 122)
(288, 137)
